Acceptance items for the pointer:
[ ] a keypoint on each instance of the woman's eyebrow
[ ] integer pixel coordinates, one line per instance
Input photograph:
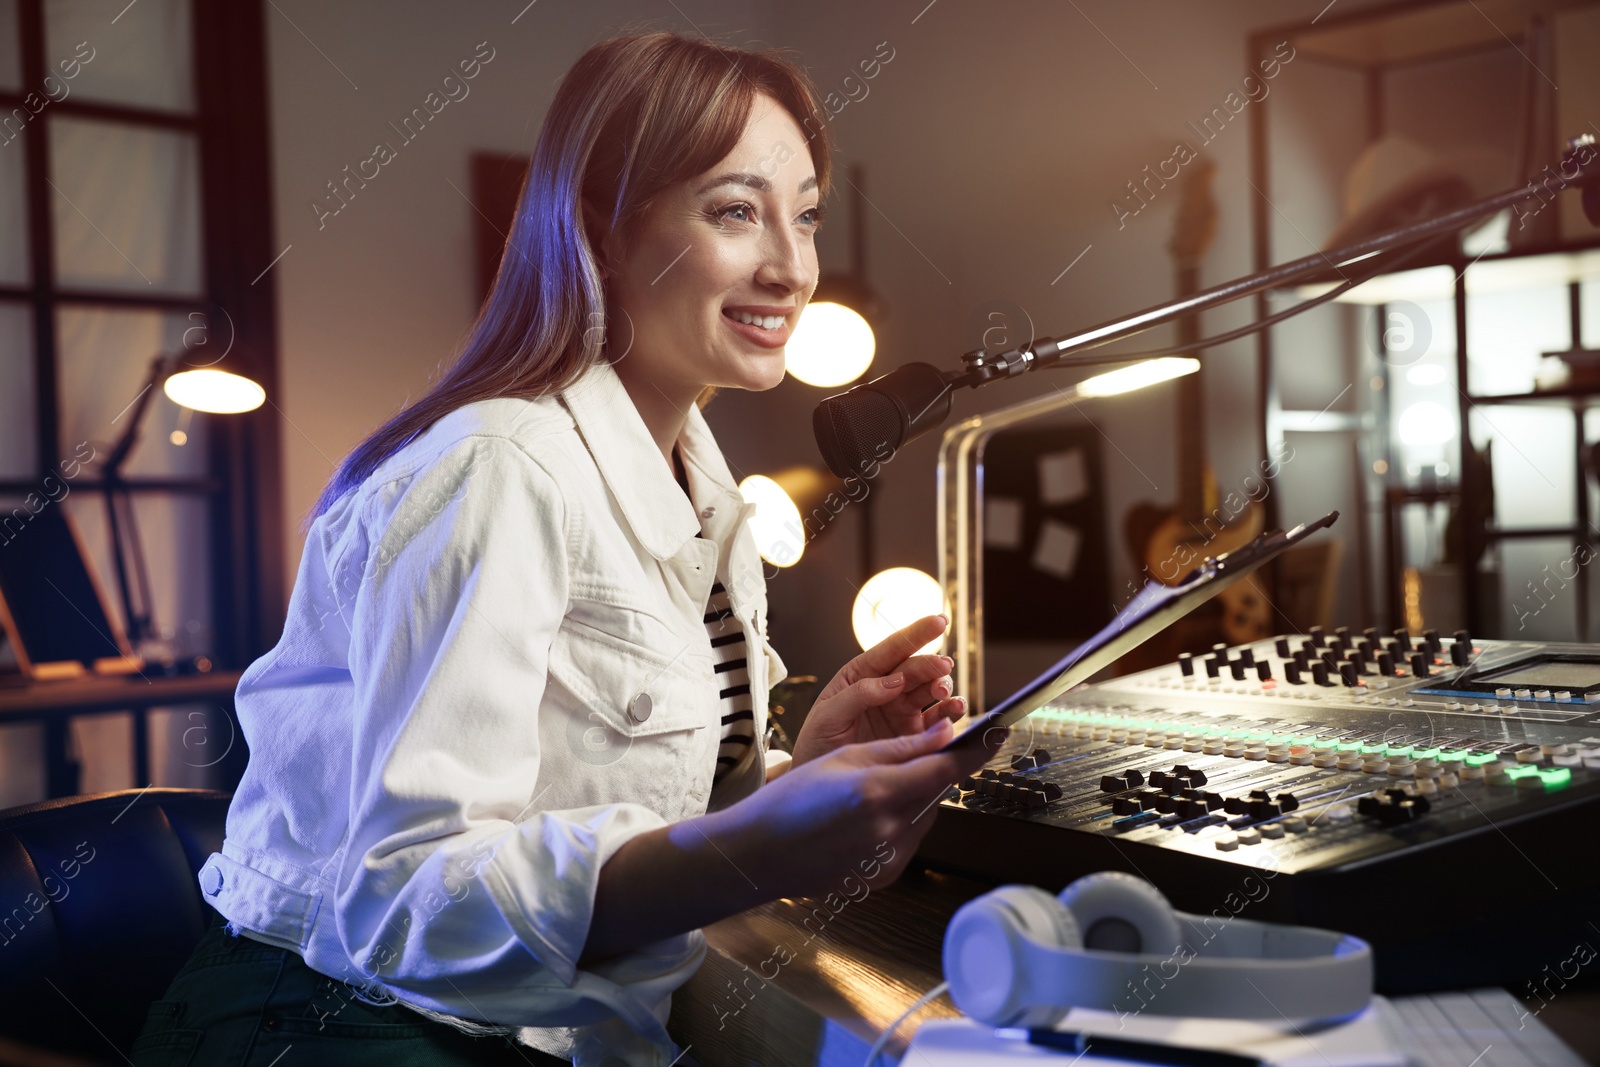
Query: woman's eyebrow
(751, 181)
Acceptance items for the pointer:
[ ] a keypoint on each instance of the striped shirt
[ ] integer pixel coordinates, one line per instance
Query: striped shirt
(733, 681)
(733, 676)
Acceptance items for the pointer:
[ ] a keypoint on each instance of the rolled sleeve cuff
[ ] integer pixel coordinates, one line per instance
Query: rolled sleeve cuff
(546, 889)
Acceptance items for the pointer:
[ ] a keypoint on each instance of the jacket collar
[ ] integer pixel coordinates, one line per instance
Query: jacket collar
(660, 515)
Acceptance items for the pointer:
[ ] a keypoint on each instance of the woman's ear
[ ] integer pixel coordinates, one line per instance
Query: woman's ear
(600, 240)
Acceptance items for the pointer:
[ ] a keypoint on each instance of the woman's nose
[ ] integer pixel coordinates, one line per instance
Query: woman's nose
(784, 262)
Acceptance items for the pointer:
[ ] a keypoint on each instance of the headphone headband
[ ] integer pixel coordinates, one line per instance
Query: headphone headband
(1298, 972)
(1016, 957)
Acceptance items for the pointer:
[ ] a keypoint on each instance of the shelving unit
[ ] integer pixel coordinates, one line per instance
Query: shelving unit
(1377, 43)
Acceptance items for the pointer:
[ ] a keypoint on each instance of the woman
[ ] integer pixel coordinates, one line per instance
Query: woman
(510, 752)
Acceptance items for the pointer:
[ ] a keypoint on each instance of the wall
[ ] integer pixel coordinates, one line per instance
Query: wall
(993, 142)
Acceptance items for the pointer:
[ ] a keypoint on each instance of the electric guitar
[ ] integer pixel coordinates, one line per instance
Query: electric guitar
(1170, 541)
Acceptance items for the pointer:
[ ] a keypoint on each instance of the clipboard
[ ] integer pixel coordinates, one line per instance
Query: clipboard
(1153, 609)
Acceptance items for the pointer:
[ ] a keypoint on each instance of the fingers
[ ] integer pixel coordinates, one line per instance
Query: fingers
(914, 685)
(915, 766)
(898, 646)
(949, 710)
(907, 746)
(914, 701)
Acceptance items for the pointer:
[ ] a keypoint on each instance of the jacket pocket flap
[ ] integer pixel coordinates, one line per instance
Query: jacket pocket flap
(636, 691)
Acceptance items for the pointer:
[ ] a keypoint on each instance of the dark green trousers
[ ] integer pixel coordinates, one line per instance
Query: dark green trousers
(240, 1003)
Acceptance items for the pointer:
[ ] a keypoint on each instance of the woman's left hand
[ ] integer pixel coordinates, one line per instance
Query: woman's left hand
(882, 693)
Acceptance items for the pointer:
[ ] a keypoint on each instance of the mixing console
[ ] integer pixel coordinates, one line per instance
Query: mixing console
(1434, 795)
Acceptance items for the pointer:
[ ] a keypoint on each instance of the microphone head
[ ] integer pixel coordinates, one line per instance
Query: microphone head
(854, 428)
(866, 425)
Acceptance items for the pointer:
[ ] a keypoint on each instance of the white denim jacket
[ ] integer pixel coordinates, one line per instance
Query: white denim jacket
(494, 672)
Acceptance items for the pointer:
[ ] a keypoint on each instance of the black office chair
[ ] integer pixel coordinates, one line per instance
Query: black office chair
(99, 908)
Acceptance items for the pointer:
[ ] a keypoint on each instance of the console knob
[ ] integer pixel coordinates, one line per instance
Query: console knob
(1386, 664)
(1264, 670)
(1403, 639)
(1460, 654)
(1319, 672)
(1212, 667)
(1281, 646)
(1347, 673)
(1291, 672)
(1238, 668)
(1432, 637)
(1247, 657)
(1462, 637)
(1316, 635)
(1419, 665)
(1186, 664)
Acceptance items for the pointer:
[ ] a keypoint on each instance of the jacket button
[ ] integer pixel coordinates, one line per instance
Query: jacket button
(709, 511)
(211, 879)
(640, 707)
(270, 1023)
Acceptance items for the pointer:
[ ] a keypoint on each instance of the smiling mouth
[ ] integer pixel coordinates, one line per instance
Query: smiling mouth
(762, 322)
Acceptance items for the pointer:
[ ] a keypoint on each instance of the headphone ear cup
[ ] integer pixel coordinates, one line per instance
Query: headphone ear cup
(1116, 912)
(983, 961)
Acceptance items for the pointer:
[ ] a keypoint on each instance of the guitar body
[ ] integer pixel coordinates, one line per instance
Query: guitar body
(1176, 546)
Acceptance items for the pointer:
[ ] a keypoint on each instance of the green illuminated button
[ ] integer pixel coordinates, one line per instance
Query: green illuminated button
(1281, 739)
(1236, 735)
(1398, 750)
(1523, 770)
(1452, 754)
(1259, 735)
(1555, 777)
(1347, 746)
(1478, 759)
(1425, 753)
(1325, 742)
(1368, 750)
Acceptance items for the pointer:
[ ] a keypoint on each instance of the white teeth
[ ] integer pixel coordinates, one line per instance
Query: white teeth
(766, 322)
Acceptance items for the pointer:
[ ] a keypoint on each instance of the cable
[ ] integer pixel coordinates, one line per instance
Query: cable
(888, 1032)
(1388, 263)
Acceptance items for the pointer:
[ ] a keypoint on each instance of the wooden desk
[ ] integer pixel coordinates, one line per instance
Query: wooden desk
(853, 971)
(55, 703)
(854, 974)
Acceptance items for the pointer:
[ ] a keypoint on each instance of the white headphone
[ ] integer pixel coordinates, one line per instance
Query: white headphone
(1018, 956)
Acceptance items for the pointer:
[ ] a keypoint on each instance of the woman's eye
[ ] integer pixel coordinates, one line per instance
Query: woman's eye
(812, 217)
(737, 212)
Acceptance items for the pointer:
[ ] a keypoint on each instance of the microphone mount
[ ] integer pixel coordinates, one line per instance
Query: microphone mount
(1579, 167)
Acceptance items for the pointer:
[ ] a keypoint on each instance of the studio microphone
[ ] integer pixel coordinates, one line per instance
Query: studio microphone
(868, 424)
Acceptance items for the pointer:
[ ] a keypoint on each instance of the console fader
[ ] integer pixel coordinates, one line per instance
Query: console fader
(1437, 796)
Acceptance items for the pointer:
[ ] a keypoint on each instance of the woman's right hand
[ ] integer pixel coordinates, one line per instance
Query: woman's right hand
(805, 831)
(858, 812)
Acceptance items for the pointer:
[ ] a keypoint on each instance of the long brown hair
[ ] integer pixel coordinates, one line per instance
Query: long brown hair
(632, 117)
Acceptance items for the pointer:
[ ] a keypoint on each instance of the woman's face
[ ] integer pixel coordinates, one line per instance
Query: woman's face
(728, 246)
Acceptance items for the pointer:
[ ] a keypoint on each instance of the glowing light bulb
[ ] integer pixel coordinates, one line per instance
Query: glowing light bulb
(216, 391)
(832, 344)
(1127, 379)
(893, 599)
(779, 533)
